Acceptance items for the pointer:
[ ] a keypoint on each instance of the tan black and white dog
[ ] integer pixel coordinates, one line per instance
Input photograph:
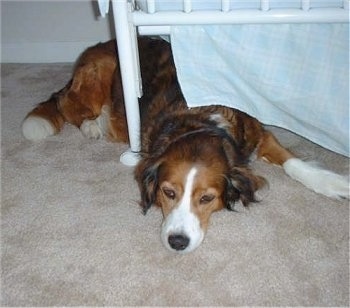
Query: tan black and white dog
(193, 161)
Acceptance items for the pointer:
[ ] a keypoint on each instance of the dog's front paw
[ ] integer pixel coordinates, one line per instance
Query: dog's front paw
(91, 129)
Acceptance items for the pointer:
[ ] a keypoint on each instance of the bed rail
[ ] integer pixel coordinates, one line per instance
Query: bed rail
(152, 22)
(149, 6)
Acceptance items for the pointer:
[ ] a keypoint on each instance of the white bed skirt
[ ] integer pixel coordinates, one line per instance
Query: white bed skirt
(292, 76)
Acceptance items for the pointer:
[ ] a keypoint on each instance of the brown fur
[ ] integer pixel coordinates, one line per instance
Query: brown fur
(96, 82)
(166, 122)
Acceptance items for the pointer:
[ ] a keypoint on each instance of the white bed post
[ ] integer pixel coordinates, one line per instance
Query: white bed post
(129, 66)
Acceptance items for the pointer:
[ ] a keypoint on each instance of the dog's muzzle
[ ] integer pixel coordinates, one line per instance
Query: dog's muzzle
(181, 234)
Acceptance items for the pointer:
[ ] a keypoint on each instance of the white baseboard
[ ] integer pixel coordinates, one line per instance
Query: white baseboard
(43, 52)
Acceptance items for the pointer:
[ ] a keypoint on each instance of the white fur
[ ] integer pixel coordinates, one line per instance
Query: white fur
(36, 128)
(91, 129)
(97, 128)
(220, 120)
(319, 180)
(182, 221)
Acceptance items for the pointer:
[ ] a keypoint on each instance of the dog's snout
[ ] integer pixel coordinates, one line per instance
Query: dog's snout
(178, 241)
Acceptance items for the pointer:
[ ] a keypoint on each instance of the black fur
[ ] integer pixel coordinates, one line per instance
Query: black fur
(148, 186)
(238, 187)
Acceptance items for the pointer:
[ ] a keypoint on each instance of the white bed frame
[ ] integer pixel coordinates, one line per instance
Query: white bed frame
(129, 21)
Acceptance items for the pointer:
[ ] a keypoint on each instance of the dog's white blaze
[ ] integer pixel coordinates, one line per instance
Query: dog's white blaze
(322, 181)
(182, 221)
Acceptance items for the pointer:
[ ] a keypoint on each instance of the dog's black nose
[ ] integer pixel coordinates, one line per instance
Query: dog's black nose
(178, 241)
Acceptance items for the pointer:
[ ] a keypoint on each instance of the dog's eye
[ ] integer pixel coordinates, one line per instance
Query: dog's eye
(206, 199)
(169, 193)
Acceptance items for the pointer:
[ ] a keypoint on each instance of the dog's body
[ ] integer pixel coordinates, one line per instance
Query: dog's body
(193, 161)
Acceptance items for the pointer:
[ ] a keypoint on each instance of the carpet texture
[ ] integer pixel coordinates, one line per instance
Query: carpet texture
(72, 232)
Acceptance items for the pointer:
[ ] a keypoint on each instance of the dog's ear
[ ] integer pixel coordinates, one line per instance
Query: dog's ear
(146, 174)
(241, 184)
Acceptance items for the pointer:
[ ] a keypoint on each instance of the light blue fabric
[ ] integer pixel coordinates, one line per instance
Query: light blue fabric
(293, 76)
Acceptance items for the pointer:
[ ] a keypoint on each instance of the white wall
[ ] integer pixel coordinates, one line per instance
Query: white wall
(51, 31)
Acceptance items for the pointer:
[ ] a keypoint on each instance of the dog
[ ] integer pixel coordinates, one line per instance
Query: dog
(193, 161)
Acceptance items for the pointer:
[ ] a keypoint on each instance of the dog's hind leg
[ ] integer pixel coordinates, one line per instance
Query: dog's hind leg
(43, 121)
(320, 180)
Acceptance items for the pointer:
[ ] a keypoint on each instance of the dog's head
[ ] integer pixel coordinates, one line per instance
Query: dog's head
(193, 177)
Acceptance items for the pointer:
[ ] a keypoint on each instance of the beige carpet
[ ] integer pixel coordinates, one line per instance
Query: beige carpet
(72, 232)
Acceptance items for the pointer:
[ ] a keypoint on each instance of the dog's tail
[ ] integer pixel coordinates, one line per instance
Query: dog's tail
(311, 175)
(44, 120)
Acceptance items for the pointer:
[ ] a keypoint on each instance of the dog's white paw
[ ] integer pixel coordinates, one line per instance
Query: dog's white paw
(322, 181)
(36, 128)
(97, 128)
(103, 119)
(91, 129)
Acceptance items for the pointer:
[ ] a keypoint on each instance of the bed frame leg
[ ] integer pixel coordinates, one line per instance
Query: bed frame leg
(129, 158)
(130, 73)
